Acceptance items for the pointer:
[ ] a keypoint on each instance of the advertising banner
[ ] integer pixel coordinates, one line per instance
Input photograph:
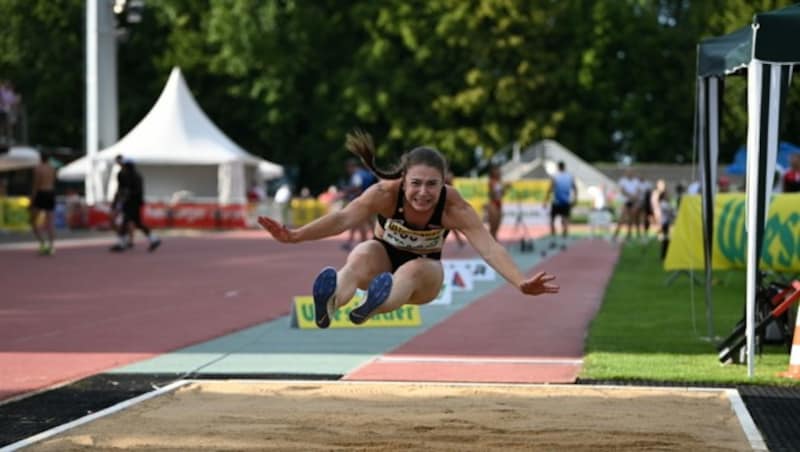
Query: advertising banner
(781, 251)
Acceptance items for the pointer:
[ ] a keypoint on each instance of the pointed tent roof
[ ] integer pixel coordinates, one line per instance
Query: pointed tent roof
(176, 131)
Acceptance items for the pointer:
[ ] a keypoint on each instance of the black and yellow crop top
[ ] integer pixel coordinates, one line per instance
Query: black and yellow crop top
(427, 241)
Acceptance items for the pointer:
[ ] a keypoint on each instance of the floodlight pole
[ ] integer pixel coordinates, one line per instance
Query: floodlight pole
(92, 118)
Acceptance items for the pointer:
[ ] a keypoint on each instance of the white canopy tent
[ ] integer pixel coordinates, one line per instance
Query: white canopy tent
(178, 149)
(767, 49)
(19, 157)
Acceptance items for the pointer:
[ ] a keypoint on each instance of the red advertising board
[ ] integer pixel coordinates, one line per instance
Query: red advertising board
(187, 215)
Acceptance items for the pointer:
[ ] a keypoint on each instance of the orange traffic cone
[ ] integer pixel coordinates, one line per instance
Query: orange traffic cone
(794, 359)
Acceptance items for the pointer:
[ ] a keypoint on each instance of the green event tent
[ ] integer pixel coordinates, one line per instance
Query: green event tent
(766, 51)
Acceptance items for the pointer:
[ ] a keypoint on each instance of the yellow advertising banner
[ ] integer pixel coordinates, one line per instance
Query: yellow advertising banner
(303, 315)
(305, 211)
(781, 248)
(14, 213)
(476, 191)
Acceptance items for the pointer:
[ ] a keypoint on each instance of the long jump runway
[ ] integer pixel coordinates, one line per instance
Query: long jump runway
(509, 337)
(203, 307)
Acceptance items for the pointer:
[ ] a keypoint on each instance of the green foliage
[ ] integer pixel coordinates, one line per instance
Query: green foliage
(41, 53)
(287, 79)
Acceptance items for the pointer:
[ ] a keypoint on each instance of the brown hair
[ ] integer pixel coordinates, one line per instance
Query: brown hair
(360, 143)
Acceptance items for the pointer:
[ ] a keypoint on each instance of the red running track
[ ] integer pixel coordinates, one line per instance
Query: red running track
(509, 337)
(86, 310)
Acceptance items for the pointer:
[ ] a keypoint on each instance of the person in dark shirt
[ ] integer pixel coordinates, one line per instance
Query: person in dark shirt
(130, 199)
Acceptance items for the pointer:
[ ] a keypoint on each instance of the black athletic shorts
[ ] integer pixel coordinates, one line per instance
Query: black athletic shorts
(562, 210)
(131, 211)
(44, 200)
(400, 257)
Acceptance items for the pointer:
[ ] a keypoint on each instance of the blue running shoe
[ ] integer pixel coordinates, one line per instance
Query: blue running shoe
(377, 293)
(324, 300)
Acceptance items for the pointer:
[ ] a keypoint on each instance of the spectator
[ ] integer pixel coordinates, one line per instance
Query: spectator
(494, 208)
(255, 196)
(256, 193)
(329, 197)
(565, 194)
(791, 178)
(666, 218)
(131, 199)
(448, 180)
(117, 220)
(723, 185)
(629, 186)
(43, 200)
(360, 180)
(283, 198)
(645, 209)
(9, 110)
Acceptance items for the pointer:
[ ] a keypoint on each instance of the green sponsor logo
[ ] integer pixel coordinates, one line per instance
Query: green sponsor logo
(781, 247)
(730, 231)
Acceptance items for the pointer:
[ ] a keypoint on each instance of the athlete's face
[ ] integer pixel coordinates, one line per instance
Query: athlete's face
(422, 185)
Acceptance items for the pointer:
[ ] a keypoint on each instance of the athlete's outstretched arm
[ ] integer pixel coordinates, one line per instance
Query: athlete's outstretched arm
(354, 213)
(460, 215)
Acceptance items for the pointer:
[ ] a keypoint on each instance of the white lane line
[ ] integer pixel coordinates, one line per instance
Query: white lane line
(750, 430)
(477, 360)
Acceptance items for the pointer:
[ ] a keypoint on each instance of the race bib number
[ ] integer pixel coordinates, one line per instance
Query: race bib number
(401, 237)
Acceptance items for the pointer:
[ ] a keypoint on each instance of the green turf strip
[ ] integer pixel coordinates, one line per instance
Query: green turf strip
(648, 330)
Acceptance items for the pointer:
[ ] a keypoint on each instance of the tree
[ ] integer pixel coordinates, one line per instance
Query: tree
(46, 68)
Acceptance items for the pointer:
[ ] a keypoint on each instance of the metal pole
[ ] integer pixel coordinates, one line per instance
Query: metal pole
(91, 101)
(754, 76)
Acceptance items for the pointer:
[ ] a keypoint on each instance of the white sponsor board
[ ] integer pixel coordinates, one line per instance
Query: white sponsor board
(458, 274)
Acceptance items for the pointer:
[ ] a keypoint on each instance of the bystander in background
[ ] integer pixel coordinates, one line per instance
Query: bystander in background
(9, 112)
(359, 180)
(629, 187)
(564, 194)
(791, 178)
(43, 201)
(448, 180)
(131, 199)
(494, 208)
(283, 199)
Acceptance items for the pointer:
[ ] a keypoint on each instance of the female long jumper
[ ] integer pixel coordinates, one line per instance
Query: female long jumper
(401, 265)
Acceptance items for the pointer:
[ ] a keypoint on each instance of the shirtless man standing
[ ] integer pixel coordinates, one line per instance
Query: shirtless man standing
(43, 199)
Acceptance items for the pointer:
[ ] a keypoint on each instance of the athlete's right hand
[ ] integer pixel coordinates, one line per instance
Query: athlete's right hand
(277, 230)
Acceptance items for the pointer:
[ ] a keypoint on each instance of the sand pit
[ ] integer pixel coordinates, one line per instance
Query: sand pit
(384, 416)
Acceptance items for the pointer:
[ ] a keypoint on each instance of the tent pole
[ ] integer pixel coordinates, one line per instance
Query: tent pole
(753, 180)
(710, 174)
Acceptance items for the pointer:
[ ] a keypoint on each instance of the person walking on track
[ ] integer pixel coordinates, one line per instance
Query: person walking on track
(130, 195)
(43, 200)
(564, 193)
(401, 264)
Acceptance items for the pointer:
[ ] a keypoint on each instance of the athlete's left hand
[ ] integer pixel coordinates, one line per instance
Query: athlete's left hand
(539, 284)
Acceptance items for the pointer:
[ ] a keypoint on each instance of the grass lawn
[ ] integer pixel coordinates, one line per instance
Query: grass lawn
(648, 330)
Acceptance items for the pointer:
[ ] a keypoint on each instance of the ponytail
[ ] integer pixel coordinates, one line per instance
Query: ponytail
(360, 143)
